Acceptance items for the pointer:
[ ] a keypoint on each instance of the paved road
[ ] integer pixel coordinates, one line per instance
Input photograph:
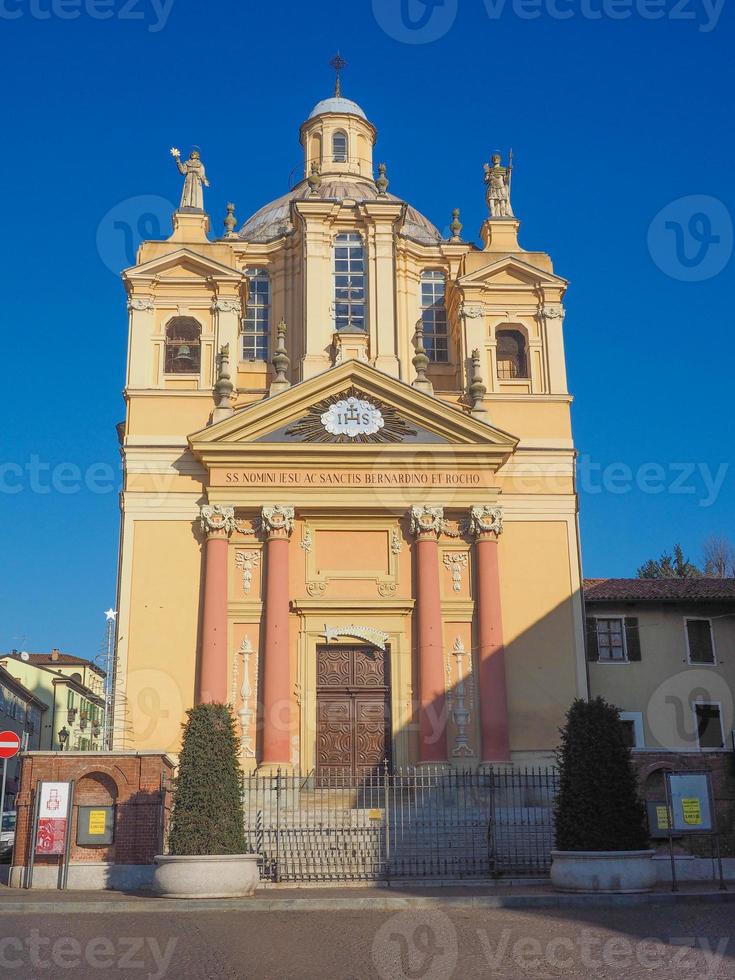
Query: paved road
(694, 941)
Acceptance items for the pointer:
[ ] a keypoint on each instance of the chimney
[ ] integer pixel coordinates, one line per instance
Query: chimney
(55, 654)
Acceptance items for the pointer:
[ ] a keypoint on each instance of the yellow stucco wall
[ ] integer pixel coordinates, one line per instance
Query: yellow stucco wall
(345, 564)
(162, 632)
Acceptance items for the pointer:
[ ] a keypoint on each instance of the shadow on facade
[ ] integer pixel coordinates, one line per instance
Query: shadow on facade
(461, 819)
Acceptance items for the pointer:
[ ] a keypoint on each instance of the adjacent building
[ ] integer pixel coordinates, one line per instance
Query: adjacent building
(72, 691)
(22, 712)
(663, 651)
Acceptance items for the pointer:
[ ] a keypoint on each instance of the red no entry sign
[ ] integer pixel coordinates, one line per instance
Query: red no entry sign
(9, 745)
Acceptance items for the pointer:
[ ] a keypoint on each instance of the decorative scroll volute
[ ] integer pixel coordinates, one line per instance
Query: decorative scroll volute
(216, 519)
(426, 520)
(277, 520)
(485, 519)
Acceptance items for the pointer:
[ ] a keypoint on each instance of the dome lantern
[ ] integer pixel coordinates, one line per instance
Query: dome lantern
(337, 136)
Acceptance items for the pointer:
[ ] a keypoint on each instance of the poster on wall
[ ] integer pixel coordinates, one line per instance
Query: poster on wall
(690, 802)
(53, 812)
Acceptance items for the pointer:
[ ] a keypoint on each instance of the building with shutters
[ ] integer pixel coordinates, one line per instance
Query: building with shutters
(663, 651)
(72, 691)
(349, 506)
(21, 711)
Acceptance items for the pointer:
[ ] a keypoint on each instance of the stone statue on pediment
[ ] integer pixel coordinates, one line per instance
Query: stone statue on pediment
(195, 176)
(497, 181)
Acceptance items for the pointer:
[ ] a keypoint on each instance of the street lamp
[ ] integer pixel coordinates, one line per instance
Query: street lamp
(63, 737)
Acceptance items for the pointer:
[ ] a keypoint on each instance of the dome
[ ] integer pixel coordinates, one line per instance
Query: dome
(274, 220)
(337, 104)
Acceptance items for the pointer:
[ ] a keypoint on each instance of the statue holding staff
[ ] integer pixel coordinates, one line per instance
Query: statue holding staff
(192, 195)
(497, 179)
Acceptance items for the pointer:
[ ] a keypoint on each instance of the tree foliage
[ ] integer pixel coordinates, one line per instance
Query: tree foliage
(719, 557)
(669, 566)
(598, 807)
(207, 815)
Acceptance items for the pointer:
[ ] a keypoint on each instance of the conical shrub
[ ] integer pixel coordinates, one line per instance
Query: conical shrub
(207, 815)
(598, 807)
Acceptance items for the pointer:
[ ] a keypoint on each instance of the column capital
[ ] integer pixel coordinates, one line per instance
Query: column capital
(216, 519)
(277, 519)
(486, 519)
(426, 520)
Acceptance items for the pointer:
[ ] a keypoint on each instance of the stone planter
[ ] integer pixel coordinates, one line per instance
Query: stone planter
(208, 876)
(603, 871)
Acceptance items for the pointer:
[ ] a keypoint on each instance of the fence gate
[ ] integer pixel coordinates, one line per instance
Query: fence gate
(418, 822)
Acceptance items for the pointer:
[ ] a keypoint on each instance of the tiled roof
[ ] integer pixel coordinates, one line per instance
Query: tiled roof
(62, 660)
(659, 589)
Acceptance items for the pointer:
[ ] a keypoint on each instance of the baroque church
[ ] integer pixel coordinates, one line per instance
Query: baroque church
(349, 506)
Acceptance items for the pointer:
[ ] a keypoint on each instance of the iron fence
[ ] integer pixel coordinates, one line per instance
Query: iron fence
(417, 822)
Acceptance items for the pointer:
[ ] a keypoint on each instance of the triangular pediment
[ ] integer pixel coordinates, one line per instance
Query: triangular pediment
(510, 270)
(290, 421)
(183, 262)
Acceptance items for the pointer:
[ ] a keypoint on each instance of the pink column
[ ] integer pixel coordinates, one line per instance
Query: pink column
(426, 525)
(276, 686)
(217, 522)
(487, 524)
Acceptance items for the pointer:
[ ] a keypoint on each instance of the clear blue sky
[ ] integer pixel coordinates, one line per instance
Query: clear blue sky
(611, 120)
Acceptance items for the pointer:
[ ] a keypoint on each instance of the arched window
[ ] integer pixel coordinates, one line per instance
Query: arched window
(512, 360)
(339, 147)
(183, 347)
(257, 320)
(349, 282)
(434, 315)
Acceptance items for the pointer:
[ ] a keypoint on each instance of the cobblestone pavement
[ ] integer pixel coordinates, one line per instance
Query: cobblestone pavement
(695, 940)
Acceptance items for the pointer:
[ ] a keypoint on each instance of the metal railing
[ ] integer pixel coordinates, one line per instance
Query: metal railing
(417, 822)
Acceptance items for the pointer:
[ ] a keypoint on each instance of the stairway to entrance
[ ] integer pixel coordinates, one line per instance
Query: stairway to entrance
(411, 823)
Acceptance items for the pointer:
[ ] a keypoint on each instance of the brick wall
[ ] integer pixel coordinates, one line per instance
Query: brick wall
(137, 784)
(720, 765)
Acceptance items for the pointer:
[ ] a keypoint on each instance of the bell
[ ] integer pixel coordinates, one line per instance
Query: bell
(183, 357)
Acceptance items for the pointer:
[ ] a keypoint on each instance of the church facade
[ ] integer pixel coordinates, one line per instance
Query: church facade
(349, 506)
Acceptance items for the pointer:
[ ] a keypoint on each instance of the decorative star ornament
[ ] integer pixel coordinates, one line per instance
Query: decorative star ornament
(110, 614)
(175, 152)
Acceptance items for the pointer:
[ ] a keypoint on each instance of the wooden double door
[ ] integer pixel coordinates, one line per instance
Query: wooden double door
(353, 712)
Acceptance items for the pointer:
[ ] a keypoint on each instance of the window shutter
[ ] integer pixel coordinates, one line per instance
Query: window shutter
(593, 652)
(699, 632)
(632, 638)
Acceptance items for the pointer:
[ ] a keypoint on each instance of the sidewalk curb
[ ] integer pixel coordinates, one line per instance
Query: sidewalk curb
(373, 904)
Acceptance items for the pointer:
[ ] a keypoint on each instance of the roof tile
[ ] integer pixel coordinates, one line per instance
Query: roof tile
(659, 589)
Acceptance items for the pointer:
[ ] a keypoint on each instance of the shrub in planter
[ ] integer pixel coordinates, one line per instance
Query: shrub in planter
(599, 813)
(207, 815)
(207, 856)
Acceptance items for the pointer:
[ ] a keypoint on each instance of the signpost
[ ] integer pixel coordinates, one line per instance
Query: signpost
(52, 814)
(690, 810)
(9, 747)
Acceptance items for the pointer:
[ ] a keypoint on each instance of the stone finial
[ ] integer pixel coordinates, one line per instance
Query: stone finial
(420, 362)
(485, 519)
(281, 362)
(223, 386)
(477, 390)
(456, 227)
(382, 182)
(230, 221)
(314, 180)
